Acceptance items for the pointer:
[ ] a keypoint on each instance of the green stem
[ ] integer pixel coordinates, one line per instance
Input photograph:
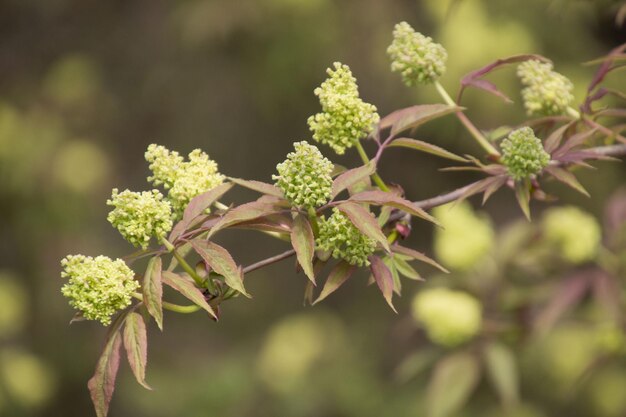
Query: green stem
(200, 282)
(220, 206)
(379, 181)
(173, 307)
(480, 138)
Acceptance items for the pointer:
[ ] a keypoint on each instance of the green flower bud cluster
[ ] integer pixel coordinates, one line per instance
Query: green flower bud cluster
(305, 176)
(184, 179)
(450, 318)
(573, 232)
(416, 57)
(99, 287)
(523, 153)
(344, 241)
(547, 92)
(345, 118)
(139, 216)
(464, 238)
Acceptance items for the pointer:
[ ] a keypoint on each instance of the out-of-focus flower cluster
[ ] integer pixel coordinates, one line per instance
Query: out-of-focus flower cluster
(345, 118)
(98, 287)
(305, 176)
(546, 92)
(343, 240)
(416, 57)
(575, 234)
(523, 154)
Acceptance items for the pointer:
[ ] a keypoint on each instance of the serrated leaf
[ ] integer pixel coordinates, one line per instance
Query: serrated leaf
(199, 204)
(417, 256)
(136, 345)
(220, 260)
(351, 177)
(453, 381)
(303, 243)
(102, 383)
(502, 372)
(384, 279)
(338, 275)
(414, 116)
(397, 284)
(365, 222)
(567, 178)
(259, 186)
(187, 288)
(388, 199)
(522, 193)
(152, 290)
(405, 269)
(426, 147)
(243, 213)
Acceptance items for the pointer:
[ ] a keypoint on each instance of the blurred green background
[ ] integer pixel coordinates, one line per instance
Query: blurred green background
(86, 85)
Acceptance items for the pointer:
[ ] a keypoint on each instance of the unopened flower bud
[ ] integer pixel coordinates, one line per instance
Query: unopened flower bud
(344, 241)
(523, 154)
(546, 92)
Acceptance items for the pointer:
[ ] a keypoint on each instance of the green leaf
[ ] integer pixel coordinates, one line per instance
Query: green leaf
(414, 364)
(303, 243)
(384, 279)
(351, 177)
(453, 380)
(389, 199)
(414, 116)
(220, 261)
(243, 213)
(417, 256)
(187, 288)
(259, 186)
(365, 222)
(405, 269)
(567, 178)
(397, 284)
(338, 275)
(522, 193)
(152, 289)
(425, 147)
(502, 372)
(102, 383)
(136, 345)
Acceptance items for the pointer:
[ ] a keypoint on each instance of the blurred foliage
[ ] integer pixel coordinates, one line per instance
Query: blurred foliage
(86, 85)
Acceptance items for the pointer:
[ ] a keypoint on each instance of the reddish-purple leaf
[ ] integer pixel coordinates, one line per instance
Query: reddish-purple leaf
(419, 256)
(187, 288)
(365, 222)
(243, 213)
(606, 67)
(388, 199)
(572, 142)
(415, 116)
(555, 138)
(220, 260)
(494, 186)
(489, 87)
(352, 176)
(339, 274)
(199, 204)
(136, 345)
(259, 186)
(425, 147)
(567, 178)
(383, 278)
(152, 290)
(571, 291)
(277, 223)
(303, 243)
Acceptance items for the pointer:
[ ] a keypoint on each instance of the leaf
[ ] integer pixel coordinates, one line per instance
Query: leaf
(522, 193)
(406, 270)
(365, 221)
(397, 284)
(220, 261)
(425, 147)
(102, 383)
(414, 364)
(199, 204)
(259, 186)
(152, 290)
(136, 345)
(243, 213)
(454, 379)
(338, 275)
(388, 199)
(567, 296)
(493, 187)
(383, 278)
(277, 223)
(415, 116)
(418, 256)
(567, 178)
(187, 288)
(502, 372)
(337, 170)
(351, 177)
(303, 243)
(554, 140)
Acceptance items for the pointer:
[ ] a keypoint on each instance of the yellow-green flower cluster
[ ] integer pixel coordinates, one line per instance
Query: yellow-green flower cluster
(416, 57)
(345, 118)
(450, 318)
(523, 153)
(139, 216)
(98, 287)
(184, 179)
(344, 241)
(575, 233)
(464, 238)
(305, 176)
(547, 92)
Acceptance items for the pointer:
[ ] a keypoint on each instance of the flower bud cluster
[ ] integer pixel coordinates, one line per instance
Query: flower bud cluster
(547, 92)
(450, 318)
(523, 154)
(573, 232)
(344, 241)
(140, 216)
(98, 287)
(184, 179)
(305, 176)
(416, 57)
(345, 118)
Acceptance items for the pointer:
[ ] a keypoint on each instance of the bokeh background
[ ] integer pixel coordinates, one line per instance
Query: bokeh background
(86, 85)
